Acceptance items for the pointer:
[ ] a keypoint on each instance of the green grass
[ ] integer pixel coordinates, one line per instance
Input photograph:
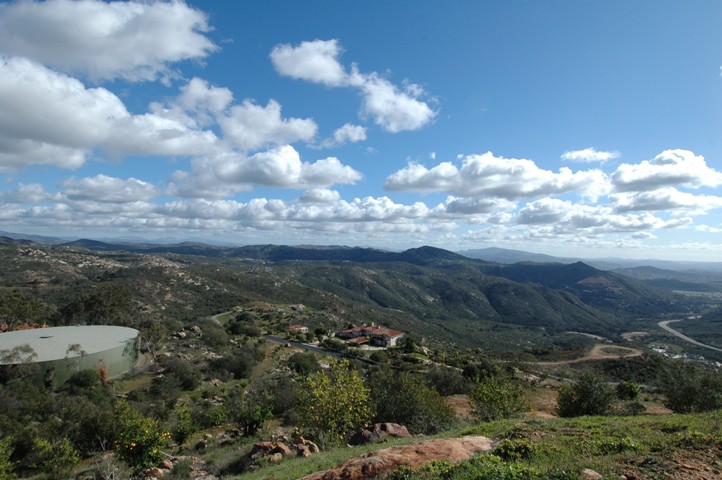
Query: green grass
(295, 468)
(649, 446)
(612, 445)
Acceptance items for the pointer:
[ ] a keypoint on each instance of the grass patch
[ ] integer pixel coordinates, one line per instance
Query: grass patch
(609, 445)
(295, 468)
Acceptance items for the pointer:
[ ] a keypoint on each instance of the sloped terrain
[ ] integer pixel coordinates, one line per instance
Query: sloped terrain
(444, 295)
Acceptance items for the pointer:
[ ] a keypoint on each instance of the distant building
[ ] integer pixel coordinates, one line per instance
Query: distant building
(299, 307)
(297, 329)
(375, 335)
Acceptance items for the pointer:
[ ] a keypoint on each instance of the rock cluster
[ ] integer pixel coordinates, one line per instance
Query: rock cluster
(379, 433)
(196, 471)
(283, 447)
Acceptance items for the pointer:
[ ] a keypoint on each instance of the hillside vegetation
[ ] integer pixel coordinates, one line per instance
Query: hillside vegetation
(225, 390)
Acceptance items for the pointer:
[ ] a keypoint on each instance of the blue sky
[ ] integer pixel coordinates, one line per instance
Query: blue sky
(563, 127)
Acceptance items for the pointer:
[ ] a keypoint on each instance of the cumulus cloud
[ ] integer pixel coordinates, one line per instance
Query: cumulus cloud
(26, 193)
(392, 108)
(667, 198)
(279, 167)
(39, 104)
(136, 41)
(320, 195)
(347, 133)
(50, 118)
(669, 168)
(314, 61)
(250, 126)
(500, 177)
(17, 153)
(102, 188)
(199, 104)
(589, 155)
(573, 219)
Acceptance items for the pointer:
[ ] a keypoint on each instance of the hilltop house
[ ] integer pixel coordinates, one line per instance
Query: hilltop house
(373, 334)
(297, 329)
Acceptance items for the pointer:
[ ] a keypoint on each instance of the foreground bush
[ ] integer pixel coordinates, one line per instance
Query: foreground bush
(405, 398)
(140, 439)
(495, 397)
(332, 404)
(589, 395)
(690, 387)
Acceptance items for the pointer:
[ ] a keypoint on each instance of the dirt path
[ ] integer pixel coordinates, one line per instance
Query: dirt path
(665, 325)
(600, 351)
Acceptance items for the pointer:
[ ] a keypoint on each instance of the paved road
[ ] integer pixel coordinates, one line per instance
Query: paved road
(305, 346)
(665, 325)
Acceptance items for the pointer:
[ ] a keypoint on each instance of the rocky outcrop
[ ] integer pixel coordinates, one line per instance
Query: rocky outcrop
(196, 469)
(379, 432)
(283, 447)
(386, 461)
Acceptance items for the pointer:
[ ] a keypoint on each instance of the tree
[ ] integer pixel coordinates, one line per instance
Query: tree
(334, 403)
(304, 363)
(17, 309)
(17, 362)
(690, 387)
(139, 439)
(628, 390)
(183, 426)
(589, 395)
(6, 465)
(56, 458)
(405, 398)
(448, 381)
(495, 397)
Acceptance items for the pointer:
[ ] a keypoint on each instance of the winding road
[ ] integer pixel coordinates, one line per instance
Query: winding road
(665, 325)
(600, 351)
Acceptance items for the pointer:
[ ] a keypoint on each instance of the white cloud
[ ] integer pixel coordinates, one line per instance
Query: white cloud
(250, 126)
(667, 198)
(315, 61)
(497, 177)
(566, 218)
(30, 193)
(392, 108)
(50, 118)
(669, 168)
(41, 105)
(279, 167)
(470, 207)
(349, 134)
(150, 134)
(589, 155)
(320, 195)
(199, 104)
(134, 40)
(102, 188)
(17, 153)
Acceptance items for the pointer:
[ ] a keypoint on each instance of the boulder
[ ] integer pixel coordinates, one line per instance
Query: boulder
(591, 474)
(379, 432)
(388, 460)
(281, 448)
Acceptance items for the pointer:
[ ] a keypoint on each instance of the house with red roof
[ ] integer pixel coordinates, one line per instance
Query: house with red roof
(373, 334)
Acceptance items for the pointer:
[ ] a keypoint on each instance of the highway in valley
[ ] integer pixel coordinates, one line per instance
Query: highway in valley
(665, 325)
